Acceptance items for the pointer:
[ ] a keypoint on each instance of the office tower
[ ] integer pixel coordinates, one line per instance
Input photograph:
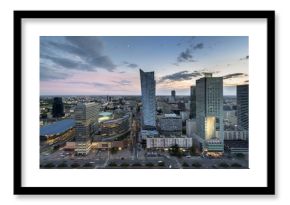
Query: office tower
(172, 98)
(148, 100)
(57, 107)
(192, 102)
(243, 106)
(191, 128)
(209, 112)
(86, 116)
(171, 124)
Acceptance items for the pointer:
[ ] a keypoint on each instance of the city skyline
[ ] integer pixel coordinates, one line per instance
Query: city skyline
(110, 65)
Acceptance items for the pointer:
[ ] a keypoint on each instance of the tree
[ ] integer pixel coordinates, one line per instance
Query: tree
(223, 165)
(236, 165)
(49, 165)
(240, 155)
(161, 164)
(196, 164)
(175, 151)
(87, 165)
(62, 165)
(124, 164)
(114, 150)
(137, 164)
(112, 164)
(149, 164)
(75, 165)
(192, 150)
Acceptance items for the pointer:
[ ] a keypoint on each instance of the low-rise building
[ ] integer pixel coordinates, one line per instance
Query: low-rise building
(236, 135)
(149, 133)
(167, 142)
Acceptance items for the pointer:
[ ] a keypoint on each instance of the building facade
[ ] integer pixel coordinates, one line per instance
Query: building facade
(148, 99)
(236, 135)
(116, 126)
(167, 142)
(171, 124)
(192, 102)
(209, 111)
(172, 97)
(243, 106)
(86, 116)
(57, 107)
(191, 127)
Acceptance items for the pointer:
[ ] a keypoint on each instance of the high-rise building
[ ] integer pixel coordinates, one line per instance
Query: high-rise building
(148, 99)
(86, 116)
(192, 102)
(171, 124)
(57, 107)
(209, 112)
(243, 106)
(172, 97)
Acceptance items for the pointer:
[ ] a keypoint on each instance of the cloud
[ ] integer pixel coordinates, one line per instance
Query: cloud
(244, 58)
(67, 63)
(85, 53)
(48, 73)
(123, 82)
(185, 56)
(180, 76)
(197, 46)
(130, 65)
(234, 75)
(95, 84)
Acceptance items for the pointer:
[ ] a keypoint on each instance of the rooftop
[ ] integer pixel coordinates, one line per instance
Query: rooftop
(57, 127)
(105, 113)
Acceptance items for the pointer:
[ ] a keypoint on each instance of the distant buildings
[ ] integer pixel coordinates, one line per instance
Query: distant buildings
(243, 106)
(86, 116)
(171, 124)
(209, 112)
(148, 100)
(192, 102)
(57, 107)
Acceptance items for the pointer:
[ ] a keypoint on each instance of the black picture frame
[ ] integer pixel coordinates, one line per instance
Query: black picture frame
(268, 190)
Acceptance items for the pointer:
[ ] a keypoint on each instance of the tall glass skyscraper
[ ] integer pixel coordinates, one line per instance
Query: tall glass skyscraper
(209, 112)
(192, 102)
(57, 107)
(243, 106)
(86, 117)
(148, 99)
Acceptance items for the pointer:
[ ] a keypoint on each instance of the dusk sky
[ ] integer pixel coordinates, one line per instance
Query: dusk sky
(90, 65)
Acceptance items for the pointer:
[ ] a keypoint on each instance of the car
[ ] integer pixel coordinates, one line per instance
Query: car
(188, 156)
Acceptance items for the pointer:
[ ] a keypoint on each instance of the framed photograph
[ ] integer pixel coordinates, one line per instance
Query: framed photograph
(144, 102)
